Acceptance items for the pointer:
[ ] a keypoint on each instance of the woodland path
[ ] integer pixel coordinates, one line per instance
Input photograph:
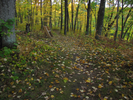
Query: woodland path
(81, 83)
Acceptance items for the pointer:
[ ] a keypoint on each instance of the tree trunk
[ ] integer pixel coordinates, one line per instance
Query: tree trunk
(7, 11)
(72, 14)
(100, 19)
(115, 36)
(90, 23)
(65, 17)
(41, 15)
(61, 13)
(76, 16)
(50, 23)
(16, 15)
(88, 14)
(122, 22)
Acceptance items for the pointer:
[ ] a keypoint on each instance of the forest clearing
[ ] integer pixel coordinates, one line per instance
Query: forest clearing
(46, 54)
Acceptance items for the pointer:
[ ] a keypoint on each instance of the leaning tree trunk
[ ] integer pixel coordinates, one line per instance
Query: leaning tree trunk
(100, 19)
(7, 11)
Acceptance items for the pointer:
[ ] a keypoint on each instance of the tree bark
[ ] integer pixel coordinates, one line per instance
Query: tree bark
(88, 14)
(61, 13)
(7, 11)
(65, 17)
(115, 36)
(72, 14)
(76, 16)
(50, 23)
(41, 15)
(122, 22)
(100, 19)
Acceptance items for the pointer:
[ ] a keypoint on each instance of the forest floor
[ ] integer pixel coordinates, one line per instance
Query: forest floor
(66, 68)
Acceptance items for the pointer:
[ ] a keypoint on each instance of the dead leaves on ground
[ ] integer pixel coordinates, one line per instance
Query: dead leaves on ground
(49, 69)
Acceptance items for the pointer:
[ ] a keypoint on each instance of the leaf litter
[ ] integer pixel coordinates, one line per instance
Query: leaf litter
(66, 68)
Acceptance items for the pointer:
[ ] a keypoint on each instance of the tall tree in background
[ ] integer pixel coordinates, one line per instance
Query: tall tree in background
(41, 14)
(61, 13)
(7, 11)
(65, 17)
(88, 14)
(115, 36)
(76, 17)
(122, 22)
(72, 14)
(100, 19)
(50, 22)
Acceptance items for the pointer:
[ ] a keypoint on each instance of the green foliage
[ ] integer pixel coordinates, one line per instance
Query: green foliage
(8, 25)
(6, 52)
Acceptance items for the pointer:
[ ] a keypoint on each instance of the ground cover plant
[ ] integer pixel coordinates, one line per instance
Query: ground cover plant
(66, 68)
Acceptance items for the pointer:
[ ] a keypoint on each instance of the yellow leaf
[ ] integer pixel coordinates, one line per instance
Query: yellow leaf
(50, 86)
(88, 80)
(9, 96)
(12, 83)
(31, 78)
(110, 82)
(122, 95)
(52, 96)
(20, 90)
(100, 86)
(99, 95)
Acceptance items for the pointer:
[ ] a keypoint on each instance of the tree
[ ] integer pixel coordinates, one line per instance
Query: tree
(65, 17)
(72, 14)
(61, 13)
(7, 13)
(88, 14)
(100, 19)
(41, 14)
(50, 23)
(115, 36)
(76, 17)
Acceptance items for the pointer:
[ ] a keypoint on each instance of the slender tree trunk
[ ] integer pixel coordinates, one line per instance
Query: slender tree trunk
(122, 22)
(61, 13)
(76, 16)
(45, 19)
(90, 23)
(55, 15)
(31, 16)
(65, 17)
(72, 14)
(7, 11)
(88, 14)
(126, 31)
(100, 19)
(109, 22)
(16, 15)
(115, 36)
(50, 23)
(95, 14)
(41, 15)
